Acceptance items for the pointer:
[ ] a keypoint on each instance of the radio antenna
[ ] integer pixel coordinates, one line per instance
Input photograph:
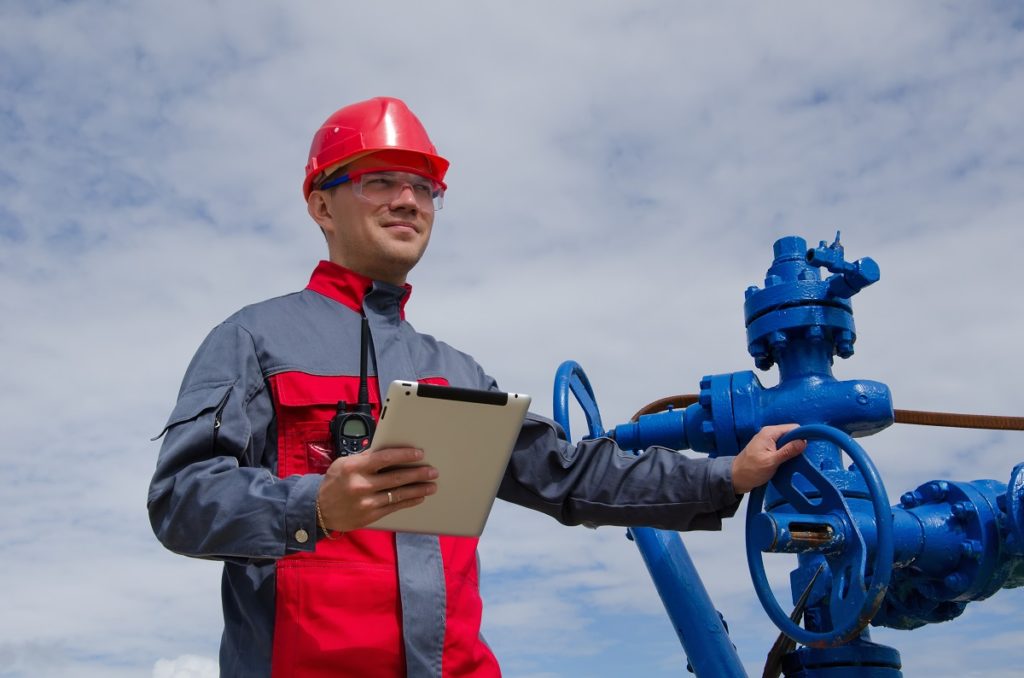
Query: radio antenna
(364, 349)
(352, 431)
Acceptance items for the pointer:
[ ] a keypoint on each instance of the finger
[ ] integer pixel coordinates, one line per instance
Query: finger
(397, 506)
(793, 448)
(388, 479)
(397, 495)
(415, 490)
(393, 456)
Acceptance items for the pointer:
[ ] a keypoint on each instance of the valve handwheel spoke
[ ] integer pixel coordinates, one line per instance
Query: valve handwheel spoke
(853, 599)
(847, 565)
(786, 481)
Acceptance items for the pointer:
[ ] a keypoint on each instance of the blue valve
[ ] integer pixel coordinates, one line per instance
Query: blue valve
(918, 563)
(853, 600)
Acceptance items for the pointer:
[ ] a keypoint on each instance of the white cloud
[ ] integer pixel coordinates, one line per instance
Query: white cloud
(186, 666)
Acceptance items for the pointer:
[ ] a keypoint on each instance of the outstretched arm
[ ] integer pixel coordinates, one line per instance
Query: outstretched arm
(596, 483)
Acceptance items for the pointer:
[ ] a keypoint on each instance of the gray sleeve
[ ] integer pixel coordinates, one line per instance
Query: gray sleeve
(214, 495)
(596, 483)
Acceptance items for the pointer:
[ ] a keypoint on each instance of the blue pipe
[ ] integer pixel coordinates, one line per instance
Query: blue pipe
(697, 623)
(700, 628)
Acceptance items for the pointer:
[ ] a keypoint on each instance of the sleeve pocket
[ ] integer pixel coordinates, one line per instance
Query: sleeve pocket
(196, 402)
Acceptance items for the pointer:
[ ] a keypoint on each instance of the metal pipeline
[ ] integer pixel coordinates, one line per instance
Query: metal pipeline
(919, 418)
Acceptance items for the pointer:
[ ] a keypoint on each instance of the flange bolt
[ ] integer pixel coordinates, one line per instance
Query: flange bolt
(963, 509)
(844, 344)
(971, 549)
(936, 491)
(910, 499)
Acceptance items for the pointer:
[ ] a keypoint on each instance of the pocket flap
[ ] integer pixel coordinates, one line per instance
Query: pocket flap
(196, 401)
(298, 389)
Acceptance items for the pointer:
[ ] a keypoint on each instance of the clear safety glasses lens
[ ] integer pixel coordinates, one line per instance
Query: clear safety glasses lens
(381, 188)
(386, 187)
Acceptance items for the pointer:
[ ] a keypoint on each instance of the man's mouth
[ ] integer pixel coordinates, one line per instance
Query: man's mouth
(401, 227)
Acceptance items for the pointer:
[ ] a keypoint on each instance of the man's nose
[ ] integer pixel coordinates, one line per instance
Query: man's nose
(406, 198)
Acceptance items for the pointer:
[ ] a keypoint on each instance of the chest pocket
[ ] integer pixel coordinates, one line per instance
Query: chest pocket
(304, 405)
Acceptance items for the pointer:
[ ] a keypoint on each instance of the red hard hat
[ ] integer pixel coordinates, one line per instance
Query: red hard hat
(378, 124)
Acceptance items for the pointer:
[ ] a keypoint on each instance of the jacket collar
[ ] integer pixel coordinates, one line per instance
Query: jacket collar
(351, 289)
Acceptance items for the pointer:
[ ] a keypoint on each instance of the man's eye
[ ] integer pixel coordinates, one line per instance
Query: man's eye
(378, 183)
(423, 189)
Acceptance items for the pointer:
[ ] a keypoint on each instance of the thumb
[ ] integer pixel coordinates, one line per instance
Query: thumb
(776, 431)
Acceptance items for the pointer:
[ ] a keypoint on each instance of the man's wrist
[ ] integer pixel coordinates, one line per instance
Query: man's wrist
(320, 520)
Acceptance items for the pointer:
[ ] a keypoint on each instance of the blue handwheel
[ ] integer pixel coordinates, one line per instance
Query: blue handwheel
(1015, 503)
(853, 601)
(570, 377)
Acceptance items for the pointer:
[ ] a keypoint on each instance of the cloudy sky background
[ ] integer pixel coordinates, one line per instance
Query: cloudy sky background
(620, 172)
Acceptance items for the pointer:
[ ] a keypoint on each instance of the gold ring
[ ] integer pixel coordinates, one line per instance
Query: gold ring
(390, 498)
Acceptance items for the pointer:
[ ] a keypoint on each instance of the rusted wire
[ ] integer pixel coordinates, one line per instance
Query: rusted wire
(663, 404)
(986, 421)
(983, 421)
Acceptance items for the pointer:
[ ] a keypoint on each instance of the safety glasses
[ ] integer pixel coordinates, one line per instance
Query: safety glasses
(382, 187)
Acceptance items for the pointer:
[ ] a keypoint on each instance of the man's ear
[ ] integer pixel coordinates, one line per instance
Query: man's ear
(320, 211)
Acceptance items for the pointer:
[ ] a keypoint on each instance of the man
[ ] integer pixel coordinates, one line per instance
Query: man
(246, 474)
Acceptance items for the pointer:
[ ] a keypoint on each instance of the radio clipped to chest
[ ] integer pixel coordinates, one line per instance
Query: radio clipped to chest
(352, 427)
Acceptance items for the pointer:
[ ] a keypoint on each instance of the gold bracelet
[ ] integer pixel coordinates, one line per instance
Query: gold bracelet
(320, 521)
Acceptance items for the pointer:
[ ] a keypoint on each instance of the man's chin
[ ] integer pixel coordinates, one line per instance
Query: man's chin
(401, 263)
(405, 253)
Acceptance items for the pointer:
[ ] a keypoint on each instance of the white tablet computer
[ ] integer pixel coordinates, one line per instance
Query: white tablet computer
(467, 435)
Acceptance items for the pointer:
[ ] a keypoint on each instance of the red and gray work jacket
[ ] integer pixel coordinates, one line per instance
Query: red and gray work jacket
(243, 458)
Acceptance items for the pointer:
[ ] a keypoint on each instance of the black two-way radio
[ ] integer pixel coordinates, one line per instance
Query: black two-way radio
(351, 432)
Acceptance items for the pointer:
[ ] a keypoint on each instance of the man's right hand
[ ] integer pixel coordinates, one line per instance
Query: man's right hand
(356, 491)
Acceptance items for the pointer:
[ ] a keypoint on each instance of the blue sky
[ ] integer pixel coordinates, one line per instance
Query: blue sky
(619, 174)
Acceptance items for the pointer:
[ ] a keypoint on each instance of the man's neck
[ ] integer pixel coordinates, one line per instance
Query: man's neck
(396, 278)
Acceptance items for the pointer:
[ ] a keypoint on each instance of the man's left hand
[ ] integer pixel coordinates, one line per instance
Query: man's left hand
(759, 460)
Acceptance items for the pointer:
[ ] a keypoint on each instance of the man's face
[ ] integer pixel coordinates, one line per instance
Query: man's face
(382, 241)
